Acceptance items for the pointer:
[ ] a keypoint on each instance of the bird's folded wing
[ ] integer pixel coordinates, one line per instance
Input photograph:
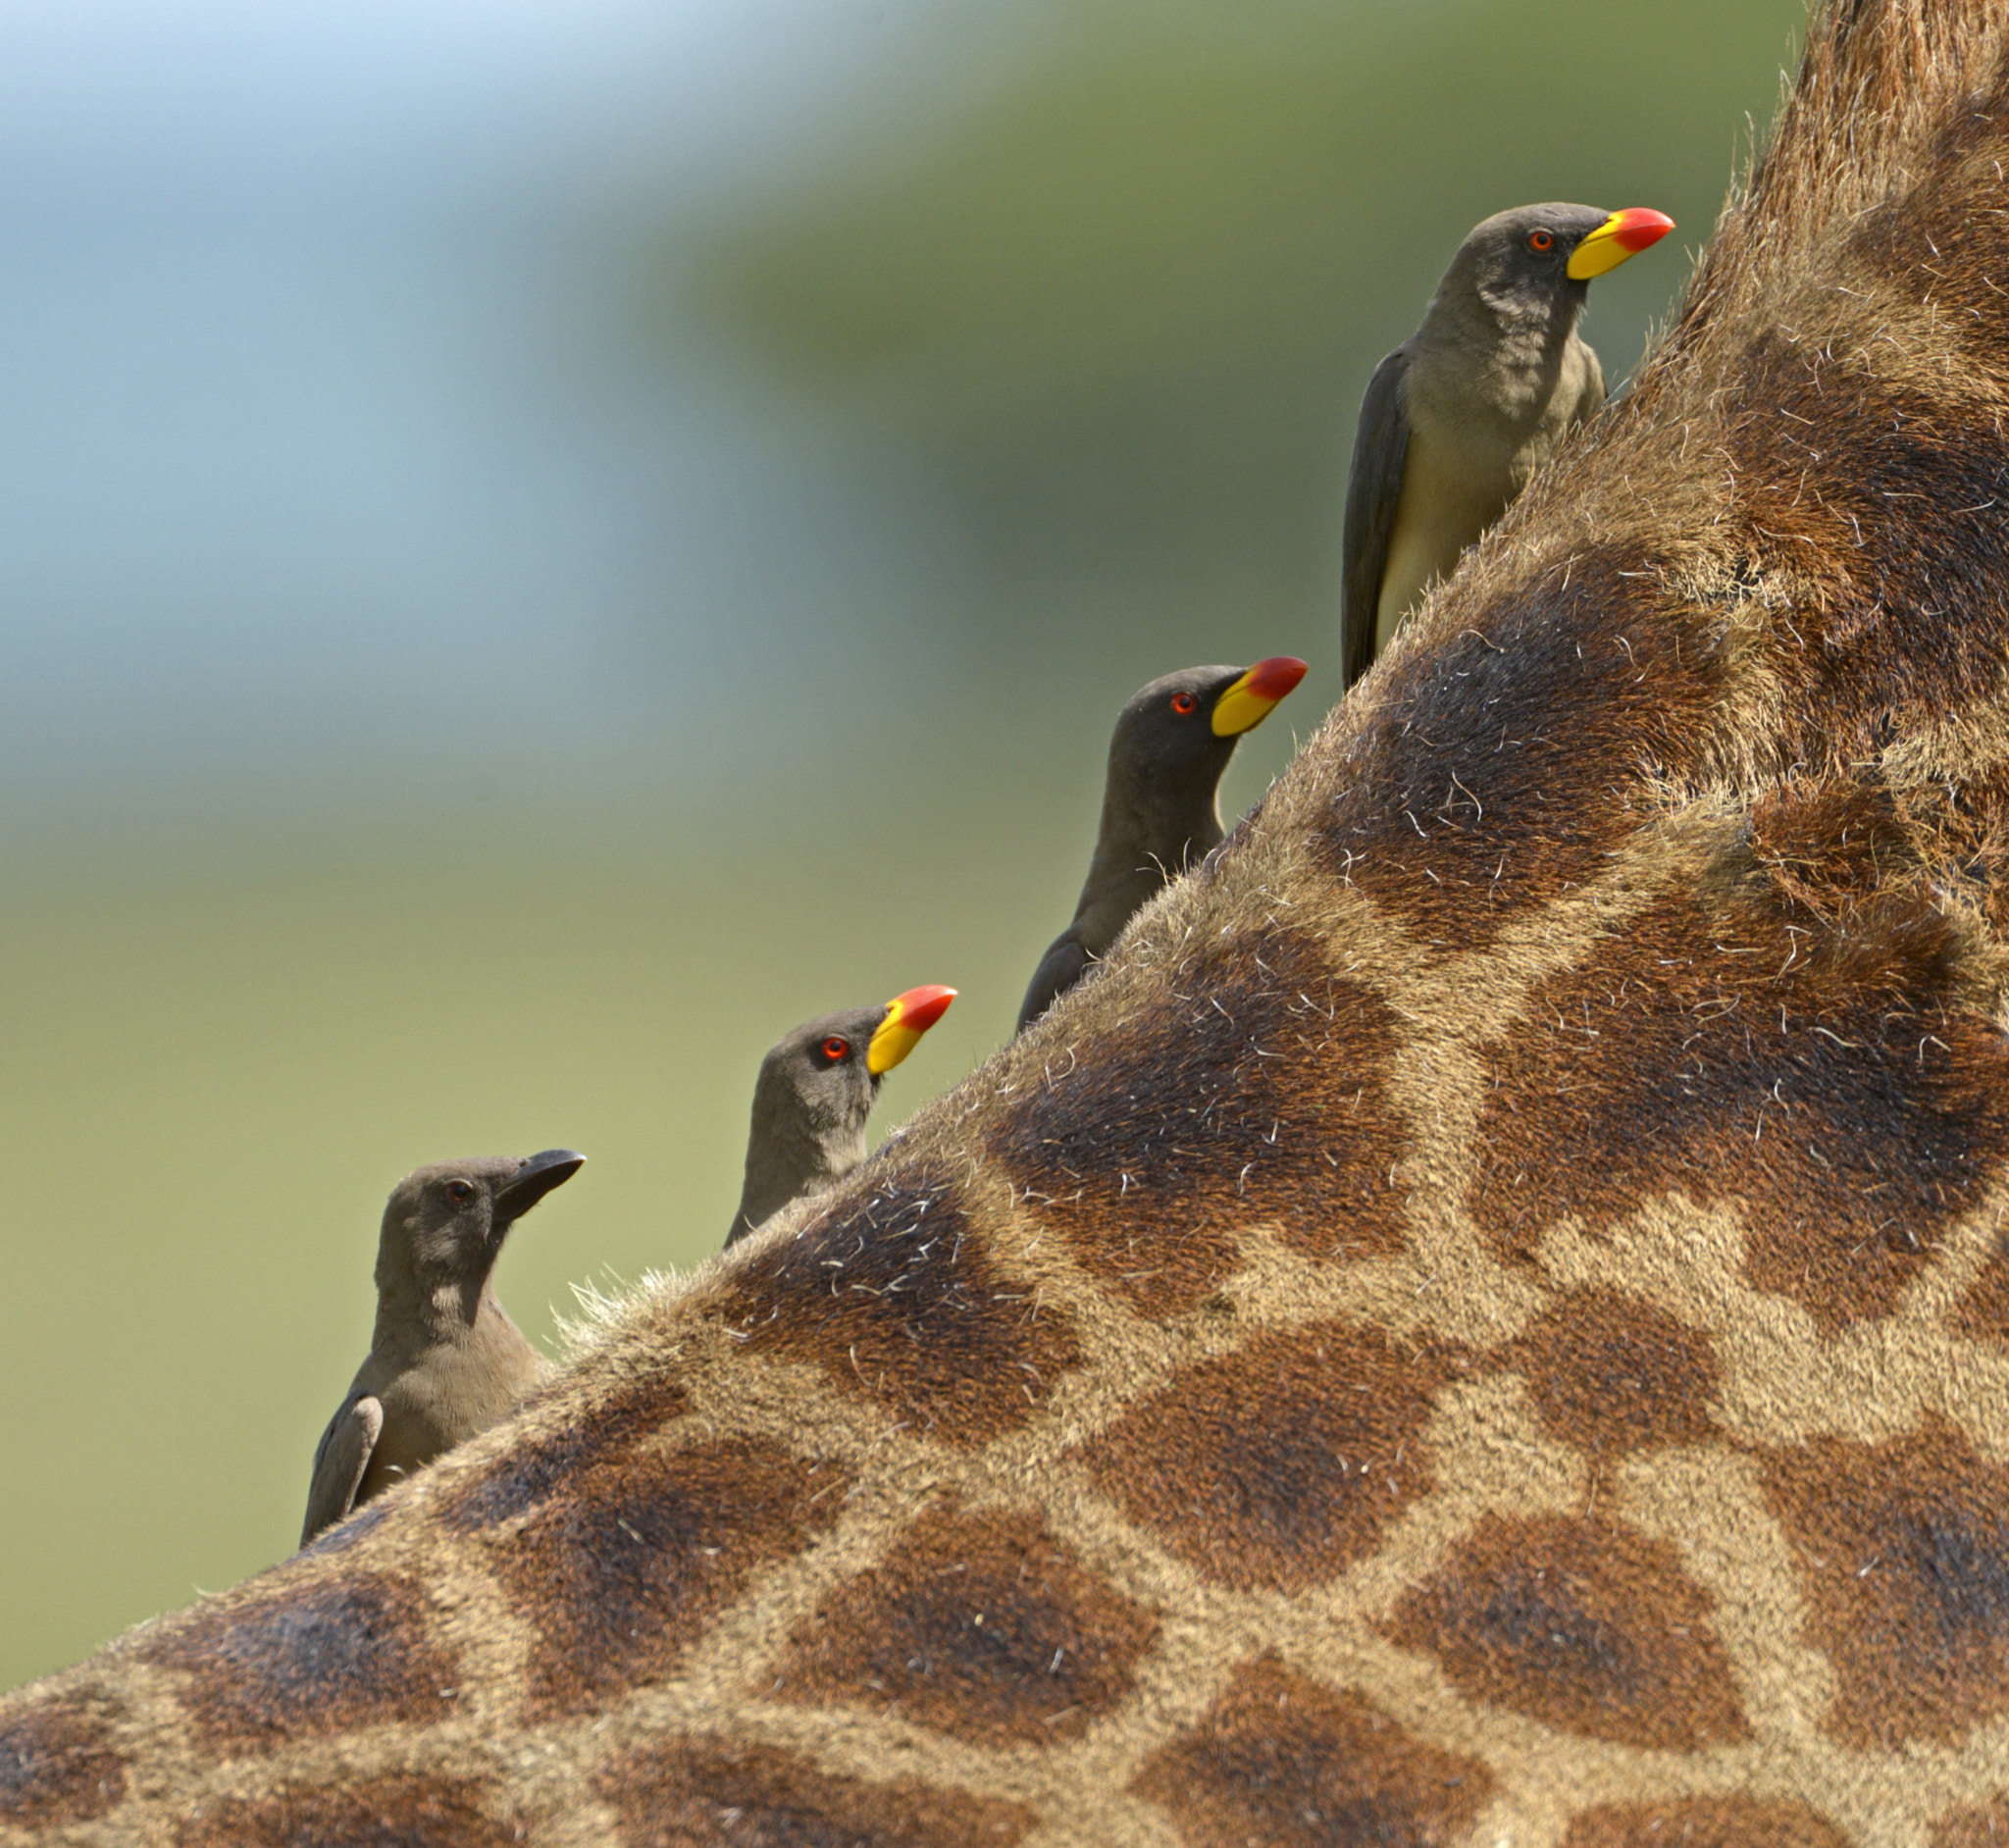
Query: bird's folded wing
(1060, 970)
(340, 1461)
(1380, 444)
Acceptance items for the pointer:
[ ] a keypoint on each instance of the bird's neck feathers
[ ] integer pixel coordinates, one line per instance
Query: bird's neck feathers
(1171, 825)
(1142, 847)
(435, 1304)
(795, 1149)
(1522, 327)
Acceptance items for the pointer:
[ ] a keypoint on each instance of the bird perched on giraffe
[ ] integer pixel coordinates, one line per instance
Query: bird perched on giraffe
(816, 1091)
(1465, 409)
(445, 1360)
(1161, 803)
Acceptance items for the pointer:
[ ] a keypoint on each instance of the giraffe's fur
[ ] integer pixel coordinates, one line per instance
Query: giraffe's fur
(1487, 1320)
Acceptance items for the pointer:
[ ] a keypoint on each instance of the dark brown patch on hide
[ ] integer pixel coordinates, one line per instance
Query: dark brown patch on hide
(982, 1627)
(1886, 505)
(531, 1473)
(1985, 1826)
(1498, 771)
(1771, 1037)
(396, 1811)
(1968, 827)
(1612, 1374)
(1887, 493)
(892, 1293)
(1282, 1463)
(1983, 1311)
(1829, 845)
(1246, 1088)
(346, 1532)
(313, 1659)
(1588, 1625)
(706, 1793)
(56, 1766)
(1703, 1822)
(643, 1549)
(1280, 1760)
(1903, 1554)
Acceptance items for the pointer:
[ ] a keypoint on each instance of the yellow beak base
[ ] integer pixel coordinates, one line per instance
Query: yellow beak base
(1622, 235)
(1250, 700)
(889, 1045)
(1239, 711)
(907, 1017)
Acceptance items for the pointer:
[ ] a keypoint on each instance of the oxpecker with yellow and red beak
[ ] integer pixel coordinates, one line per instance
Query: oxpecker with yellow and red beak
(1464, 410)
(816, 1087)
(1161, 807)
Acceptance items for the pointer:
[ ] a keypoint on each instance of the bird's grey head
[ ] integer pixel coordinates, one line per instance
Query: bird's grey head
(1174, 738)
(1536, 262)
(816, 1084)
(815, 1088)
(1518, 262)
(446, 1223)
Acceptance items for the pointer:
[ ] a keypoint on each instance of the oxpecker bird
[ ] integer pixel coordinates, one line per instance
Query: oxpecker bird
(445, 1360)
(1464, 410)
(816, 1087)
(1160, 804)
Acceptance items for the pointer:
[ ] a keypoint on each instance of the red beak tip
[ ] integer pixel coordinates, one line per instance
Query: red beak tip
(1275, 677)
(1640, 226)
(920, 1007)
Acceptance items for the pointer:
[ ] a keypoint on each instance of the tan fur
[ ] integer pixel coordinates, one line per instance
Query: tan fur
(1486, 1321)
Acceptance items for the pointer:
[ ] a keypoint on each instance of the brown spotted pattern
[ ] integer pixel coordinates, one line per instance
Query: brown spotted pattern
(1739, 1050)
(620, 1574)
(1586, 1625)
(1984, 1312)
(398, 1811)
(346, 1533)
(892, 1293)
(1249, 1090)
(981, 1626)
(531, 1475)
(56, 1766)
(1903, 1554)
(1703, 1822)
(1612, 1374)
(1984, 1825)
(719, 1793)
(1499, 770)
(1296, 1452)
(312, 1658)
(1283, 1762)
(1889, 505)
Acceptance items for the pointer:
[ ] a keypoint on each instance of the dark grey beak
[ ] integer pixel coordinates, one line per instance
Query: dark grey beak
(534, 1180)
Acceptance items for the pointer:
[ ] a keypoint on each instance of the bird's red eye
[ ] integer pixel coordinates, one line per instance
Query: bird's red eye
(835, 1048)
(460, 1192)
(1183, 703)
(1541, 240)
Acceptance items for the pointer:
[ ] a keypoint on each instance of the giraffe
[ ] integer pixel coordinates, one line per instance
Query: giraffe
(1485, 1321)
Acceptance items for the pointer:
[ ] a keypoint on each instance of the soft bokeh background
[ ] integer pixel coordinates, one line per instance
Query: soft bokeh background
(542, 543)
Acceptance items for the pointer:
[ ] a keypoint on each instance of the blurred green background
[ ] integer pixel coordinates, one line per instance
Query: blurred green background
(541, 544)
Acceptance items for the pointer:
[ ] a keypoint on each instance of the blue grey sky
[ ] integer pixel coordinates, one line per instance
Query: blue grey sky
(331, 462)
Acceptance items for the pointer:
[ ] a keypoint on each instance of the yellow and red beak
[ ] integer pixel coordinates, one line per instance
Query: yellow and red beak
(1623, 234)
(1249, 700)
(907, 1017)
